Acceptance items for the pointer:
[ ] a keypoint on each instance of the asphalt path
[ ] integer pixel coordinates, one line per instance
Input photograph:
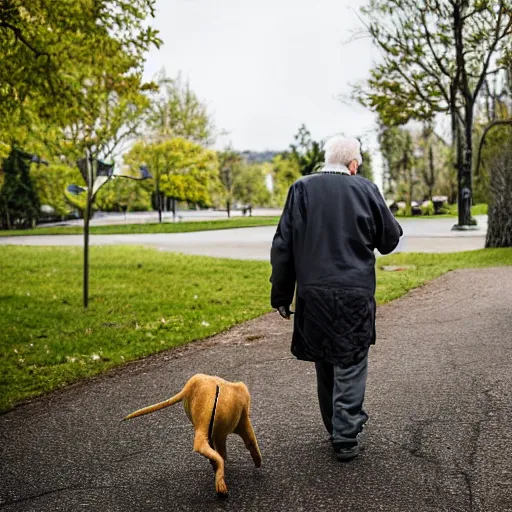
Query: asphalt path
(439, 437)
(420, 235)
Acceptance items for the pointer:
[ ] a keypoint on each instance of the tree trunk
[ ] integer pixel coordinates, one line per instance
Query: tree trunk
(7, 216)
(87, 218)
(409, 199)
(228, 207)
(465, 135)
(86, 251)
(158, 200)
(499, 232)
(432, 172)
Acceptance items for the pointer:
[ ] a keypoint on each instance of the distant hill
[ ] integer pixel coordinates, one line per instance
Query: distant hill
(259, 156)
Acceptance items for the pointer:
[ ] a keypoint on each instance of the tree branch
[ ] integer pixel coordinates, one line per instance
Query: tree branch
(429, 42)
(491, 53)
(486, 131)
(19, 36)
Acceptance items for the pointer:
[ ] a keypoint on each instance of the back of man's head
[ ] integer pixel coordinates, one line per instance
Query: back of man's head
(341, 150)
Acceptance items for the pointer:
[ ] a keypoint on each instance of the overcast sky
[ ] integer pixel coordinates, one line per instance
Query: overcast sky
(264, 67)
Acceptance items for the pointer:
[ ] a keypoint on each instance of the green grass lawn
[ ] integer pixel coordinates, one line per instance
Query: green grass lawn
(142, 301)
(477, 209)
(164, 227)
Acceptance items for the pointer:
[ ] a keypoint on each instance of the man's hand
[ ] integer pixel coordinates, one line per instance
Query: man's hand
(285, 311)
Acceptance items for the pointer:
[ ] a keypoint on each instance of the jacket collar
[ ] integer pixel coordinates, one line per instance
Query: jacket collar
(334, 169)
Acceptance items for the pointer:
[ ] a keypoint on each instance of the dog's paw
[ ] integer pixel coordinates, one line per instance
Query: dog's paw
(256, 457)
(221, 488)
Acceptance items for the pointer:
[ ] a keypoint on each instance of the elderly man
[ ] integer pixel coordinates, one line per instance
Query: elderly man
(332, 222)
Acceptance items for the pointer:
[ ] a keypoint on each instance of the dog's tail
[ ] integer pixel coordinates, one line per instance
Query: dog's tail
(150, 408)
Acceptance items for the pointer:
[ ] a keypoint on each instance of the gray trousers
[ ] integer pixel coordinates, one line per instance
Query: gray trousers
(341, 395)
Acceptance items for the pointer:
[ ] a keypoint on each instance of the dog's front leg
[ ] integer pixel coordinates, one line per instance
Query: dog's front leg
(201, 446)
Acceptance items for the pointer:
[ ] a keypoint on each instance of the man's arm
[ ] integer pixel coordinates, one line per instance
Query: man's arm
(388, 230)
(281, 258)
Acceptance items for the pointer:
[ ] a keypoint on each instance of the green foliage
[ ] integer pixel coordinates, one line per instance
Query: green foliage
(181, 169)
(250, 187)
(366, 170)
(416, 164)
(123, 195)
(397, 151)
(496, 141)
(177, 112)
(307, 153)
(436, 58)
(422, 72)
(448, 210)
(230, 166)
(285, 171)
(19, 204)
(45, 47)
(427, 209)
(51, 183)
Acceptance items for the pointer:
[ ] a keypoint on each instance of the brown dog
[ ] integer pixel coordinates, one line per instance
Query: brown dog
(216, 408)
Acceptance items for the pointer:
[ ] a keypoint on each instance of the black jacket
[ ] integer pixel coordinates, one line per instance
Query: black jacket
(324, 244)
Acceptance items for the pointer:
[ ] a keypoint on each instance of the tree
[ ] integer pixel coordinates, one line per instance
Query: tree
(499, 232)
(124, 196)
(43, 44)
(428, 168)
(436, 58)
(230, 165)
(90, 96)
(308, 153)
(182, 170)
(285, 171)
(366, 169)
(397, 150)
(19, 204)
(494, 110)
(250, 186)
(177, 112)
(50, 184)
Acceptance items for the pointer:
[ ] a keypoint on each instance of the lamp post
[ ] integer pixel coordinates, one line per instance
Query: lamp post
(96, 173)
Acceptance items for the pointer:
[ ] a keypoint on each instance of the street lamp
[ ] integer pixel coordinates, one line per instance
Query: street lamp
(96, 173)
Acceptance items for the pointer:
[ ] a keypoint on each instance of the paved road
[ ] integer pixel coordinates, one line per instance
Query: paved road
(439, 438)
(420, 235)
(104, 218)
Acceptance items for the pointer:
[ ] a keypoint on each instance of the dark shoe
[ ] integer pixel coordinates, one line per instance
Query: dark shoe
(346, 451)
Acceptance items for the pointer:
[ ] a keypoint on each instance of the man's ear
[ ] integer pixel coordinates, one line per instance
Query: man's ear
(352, 167)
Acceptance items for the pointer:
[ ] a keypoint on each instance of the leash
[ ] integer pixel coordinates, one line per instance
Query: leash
(210, 428)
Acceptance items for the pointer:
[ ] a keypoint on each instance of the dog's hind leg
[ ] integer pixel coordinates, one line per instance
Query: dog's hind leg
(246, 432)
(201, 446)
(220, 446)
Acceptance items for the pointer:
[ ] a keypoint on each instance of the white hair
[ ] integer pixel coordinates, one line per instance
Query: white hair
(339, 150)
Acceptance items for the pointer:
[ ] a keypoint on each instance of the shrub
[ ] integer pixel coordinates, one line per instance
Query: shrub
(427, 209)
